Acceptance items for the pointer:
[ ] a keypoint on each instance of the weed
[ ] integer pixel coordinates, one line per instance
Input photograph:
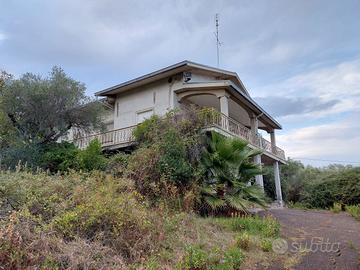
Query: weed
(336, 208)
(243, 241)
(266, 245)
(354, 210)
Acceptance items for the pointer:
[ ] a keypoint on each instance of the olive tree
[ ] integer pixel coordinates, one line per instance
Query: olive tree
(42, 109)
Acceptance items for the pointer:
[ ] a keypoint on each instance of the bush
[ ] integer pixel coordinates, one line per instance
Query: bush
(243, 241)
(266, 245)
(92, 158)
(336, 208)
(339, 186)
(94, 213)
(354, 210)
(117, 164)
(60, 157)
(165, 163)
(195, 259)
(266, 227)
(233, 259)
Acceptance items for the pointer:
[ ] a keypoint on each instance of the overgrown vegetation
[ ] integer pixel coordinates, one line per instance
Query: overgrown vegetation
(354, 210)
(333, 187)
(35, 112)
(96, 221)
(83, 210)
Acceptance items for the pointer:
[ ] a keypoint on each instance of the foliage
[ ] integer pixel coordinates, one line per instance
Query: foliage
(60, 157)
(44, 109)
(266, 245)
(86, 211)
(354, 210)
(117, 164)
(292, 177)
(309, 187)
(229, 168)
(243, 241)
(198, 259)
(91, 158)
(336, 208)
(195, 258)
(166, 161)
(335, 186)
(266, 227)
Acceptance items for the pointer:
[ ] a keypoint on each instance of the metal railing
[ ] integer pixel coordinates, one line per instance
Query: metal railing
(232, 126)
(212, 119)
(108, 138)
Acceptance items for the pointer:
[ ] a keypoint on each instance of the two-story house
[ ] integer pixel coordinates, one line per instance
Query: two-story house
(185, 83)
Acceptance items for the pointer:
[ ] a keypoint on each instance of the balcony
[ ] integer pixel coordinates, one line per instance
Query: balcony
(123, 137)
(111, 139)
(236, 129)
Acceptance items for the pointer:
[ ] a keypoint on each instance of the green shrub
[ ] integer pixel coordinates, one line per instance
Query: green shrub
(92, 158)
(267, 227)
(243, 241)
(336, 208)
(152, 264)
(194, 259)
(337, 185)
(165, 163)
(60, 157)
(266, 245)
(117, 164)
(75, 217)
(354, 210)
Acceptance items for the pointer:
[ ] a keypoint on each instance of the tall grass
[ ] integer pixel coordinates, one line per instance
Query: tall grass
(265, 227)
(354, 210)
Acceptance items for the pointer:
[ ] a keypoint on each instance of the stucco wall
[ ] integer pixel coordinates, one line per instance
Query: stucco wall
(157, 96)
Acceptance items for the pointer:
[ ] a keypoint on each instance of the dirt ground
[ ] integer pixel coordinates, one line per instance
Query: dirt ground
(324, 239)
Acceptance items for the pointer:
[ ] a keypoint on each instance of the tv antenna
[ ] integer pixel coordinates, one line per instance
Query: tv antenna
(218, 43)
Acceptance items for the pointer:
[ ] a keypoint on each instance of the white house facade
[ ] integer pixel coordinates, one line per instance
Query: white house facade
(180, 85)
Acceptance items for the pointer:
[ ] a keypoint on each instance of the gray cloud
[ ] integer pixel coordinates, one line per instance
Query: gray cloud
(284, 106)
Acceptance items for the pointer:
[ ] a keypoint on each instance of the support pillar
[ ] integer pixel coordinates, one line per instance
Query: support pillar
(259, 178)
(273, 141)
(224, 109)
(254, 124)
(278, 183)
(253, 128)
(224, 105)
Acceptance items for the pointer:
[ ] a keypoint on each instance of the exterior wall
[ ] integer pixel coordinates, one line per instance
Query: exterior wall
(196, 77)
(158, 97)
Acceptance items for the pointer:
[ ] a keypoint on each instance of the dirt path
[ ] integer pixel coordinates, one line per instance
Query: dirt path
(320, 231)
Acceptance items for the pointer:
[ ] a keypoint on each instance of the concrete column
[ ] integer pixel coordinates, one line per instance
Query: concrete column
(273, 141)
(253, 128)
(254, 124)
(224, 109)
(278, 183)
(259, 178)
(224, 105)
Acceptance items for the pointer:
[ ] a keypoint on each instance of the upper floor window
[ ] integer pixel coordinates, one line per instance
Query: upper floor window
(143, 115)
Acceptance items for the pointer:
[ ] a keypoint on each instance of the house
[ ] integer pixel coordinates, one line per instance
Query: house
(182, 84)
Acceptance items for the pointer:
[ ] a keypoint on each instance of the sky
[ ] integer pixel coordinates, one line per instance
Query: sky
(300, 60)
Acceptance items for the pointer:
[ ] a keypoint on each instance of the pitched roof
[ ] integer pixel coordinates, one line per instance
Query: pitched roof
(166, 72)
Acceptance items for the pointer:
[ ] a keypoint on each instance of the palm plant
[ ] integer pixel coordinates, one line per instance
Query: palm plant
(229, 168)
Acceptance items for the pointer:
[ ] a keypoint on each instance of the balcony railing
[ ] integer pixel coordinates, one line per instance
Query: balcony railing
(109, 138)
(123, 136)
(230, 125)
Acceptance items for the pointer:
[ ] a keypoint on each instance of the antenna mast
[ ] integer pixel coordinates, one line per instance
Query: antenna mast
(218, 43)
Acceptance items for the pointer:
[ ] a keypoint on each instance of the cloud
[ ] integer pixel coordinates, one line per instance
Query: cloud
(316, 93)
(284, 106)
(333, 141)
(2, 36)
